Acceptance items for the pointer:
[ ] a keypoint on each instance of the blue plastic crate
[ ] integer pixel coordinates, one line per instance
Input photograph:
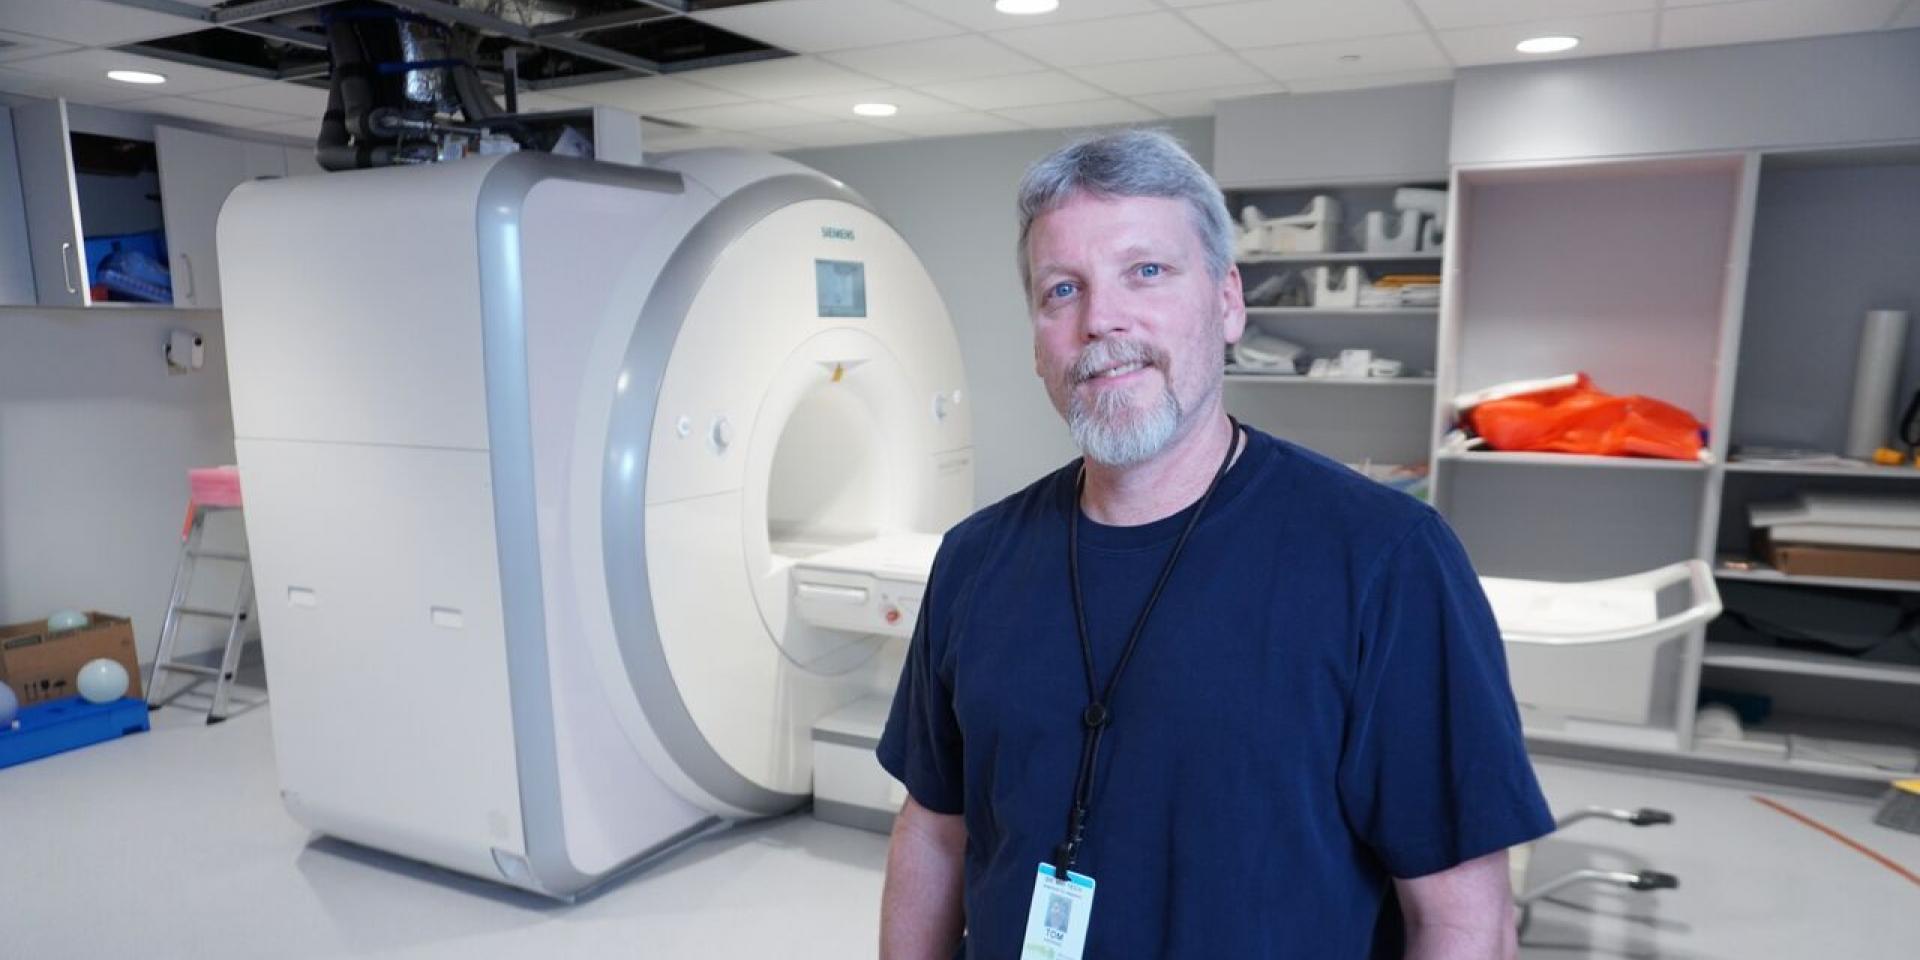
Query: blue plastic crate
(69, 723)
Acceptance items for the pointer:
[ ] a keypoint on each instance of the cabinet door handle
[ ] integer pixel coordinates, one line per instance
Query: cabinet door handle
(66, 267)
(187, 262)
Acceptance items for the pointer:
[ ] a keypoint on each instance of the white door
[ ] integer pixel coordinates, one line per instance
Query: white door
(197, 171)
(53, 208)
(16, 269)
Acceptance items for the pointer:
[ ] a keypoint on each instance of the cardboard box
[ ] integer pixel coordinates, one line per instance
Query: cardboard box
(1864, 562)
(41, 665)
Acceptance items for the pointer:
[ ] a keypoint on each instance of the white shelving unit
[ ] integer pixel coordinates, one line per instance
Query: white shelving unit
(1722, 284)
(1350, 256)
(1571, 461)
(1633, 272)
(1826, 249)
(1742, 656)
(1862, 471)
(1370, 420)
(1770, 575)
(1411, 313)
(1271, 380)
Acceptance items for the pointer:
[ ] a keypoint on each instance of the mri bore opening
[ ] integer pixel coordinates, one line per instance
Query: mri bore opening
(825, 488)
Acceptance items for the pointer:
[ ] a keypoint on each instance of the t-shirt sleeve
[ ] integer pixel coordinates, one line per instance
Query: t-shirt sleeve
(921, 744)
(1434, 771)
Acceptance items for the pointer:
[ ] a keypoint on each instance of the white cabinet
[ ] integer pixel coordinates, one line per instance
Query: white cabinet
(54, 244)
(197, 172)
(16, 271)
(120, 217)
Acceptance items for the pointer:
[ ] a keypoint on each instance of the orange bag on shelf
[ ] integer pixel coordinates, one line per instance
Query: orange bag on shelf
(1582, 419)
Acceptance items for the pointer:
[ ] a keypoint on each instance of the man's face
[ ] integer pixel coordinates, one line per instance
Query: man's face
(1128, 325)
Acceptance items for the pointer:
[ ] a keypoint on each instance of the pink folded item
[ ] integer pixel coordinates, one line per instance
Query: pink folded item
(210, 487)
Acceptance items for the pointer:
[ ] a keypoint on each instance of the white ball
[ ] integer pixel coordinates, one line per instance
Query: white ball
(103, 681)
(64, 620)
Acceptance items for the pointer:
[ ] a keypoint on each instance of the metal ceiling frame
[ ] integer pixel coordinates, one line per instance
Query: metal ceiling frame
(562, 37)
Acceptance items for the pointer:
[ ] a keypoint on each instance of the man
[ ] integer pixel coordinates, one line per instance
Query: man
(1311, 718)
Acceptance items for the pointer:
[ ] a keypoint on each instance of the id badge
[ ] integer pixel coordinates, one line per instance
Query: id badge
(1057, 919)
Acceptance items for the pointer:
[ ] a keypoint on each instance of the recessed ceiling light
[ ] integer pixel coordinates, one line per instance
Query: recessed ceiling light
(1026, 8)
(875, 109)
(135, 76)
(1546, 44)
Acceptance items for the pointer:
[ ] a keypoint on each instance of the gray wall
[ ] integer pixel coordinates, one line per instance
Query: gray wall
(952, 198)
(1857, 88)
(95, 442)
(1383, 135)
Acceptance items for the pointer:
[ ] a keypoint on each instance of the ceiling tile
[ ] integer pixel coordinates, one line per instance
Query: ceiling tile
(951, 124)
(649, 94)
(1599, 36)
(91, 22)
(1366, 80)
(839, 133)
(278, 96)
(783, 78)
(980, 14)
(1368, 55)
(1267, 23)
(1093, 113)
(839, 106)
(101, 93)
(1019, 90)
(813, 26)
(1455, 14)
(937, 61)
(1199, 103)
(1171, 75)
(1770, 20)
(220, 114)
(742, 116)
(91, 66)
(1108, 41)
(20, 46)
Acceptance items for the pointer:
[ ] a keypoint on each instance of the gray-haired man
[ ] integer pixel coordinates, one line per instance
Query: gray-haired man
(1200, 692)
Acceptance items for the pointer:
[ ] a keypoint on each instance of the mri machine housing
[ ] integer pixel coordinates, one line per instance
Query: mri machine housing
(531, 448)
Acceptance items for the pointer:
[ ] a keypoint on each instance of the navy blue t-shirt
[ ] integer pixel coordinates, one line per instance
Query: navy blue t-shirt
(1319, 704)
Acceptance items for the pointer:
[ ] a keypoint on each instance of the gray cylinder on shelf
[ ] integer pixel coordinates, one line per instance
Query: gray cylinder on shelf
(1883, 345)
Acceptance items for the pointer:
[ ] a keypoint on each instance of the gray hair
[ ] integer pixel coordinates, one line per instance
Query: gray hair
(1127, 163)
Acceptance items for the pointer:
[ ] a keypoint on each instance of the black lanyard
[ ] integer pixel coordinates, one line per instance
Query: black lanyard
(1098, 714)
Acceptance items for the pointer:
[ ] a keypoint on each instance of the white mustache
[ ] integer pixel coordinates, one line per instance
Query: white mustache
(1107, 354)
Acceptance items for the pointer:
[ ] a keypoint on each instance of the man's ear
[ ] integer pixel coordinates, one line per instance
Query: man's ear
(1233, 305)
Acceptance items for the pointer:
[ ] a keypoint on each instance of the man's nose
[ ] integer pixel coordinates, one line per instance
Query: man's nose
(1106, 312)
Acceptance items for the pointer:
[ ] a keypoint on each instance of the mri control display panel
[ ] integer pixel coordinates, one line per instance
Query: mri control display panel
(841, 287)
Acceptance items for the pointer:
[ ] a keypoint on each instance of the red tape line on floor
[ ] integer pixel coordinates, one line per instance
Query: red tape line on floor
(1863, 849)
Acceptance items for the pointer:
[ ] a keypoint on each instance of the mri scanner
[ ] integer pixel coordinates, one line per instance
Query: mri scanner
(583, 499)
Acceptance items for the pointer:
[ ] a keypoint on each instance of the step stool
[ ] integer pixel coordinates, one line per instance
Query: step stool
(213, 489)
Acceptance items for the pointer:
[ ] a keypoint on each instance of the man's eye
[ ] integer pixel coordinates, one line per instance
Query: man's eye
(1151, 269)
(1059, 290)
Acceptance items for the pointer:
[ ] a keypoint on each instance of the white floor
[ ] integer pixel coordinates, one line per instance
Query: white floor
(173, 844)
